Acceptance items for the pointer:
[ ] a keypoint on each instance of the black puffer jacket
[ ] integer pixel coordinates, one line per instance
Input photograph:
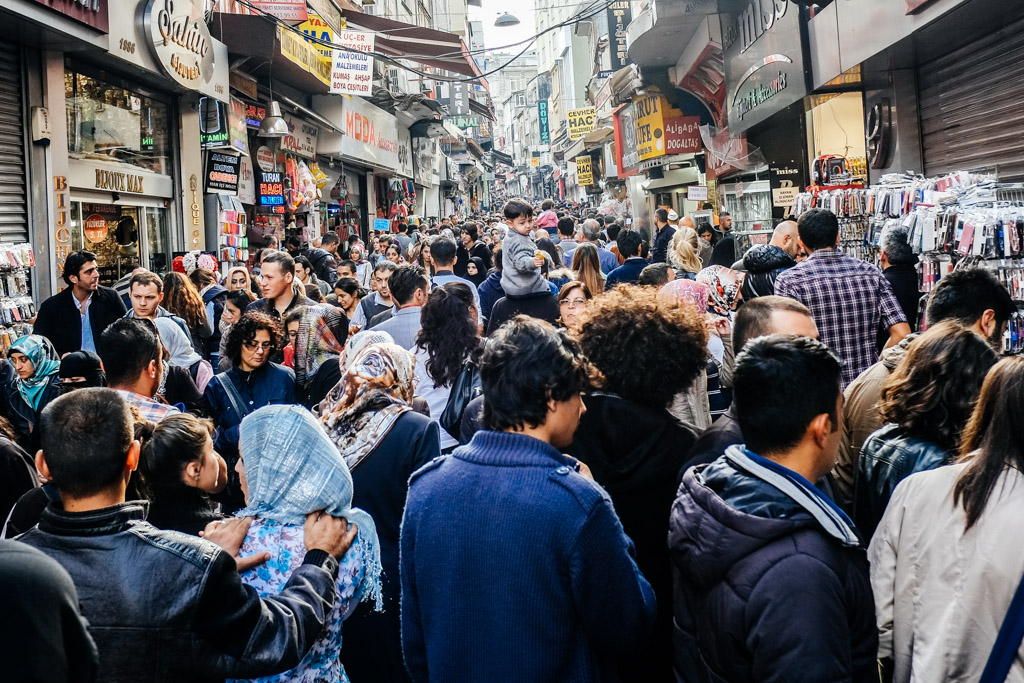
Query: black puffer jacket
(763, 263)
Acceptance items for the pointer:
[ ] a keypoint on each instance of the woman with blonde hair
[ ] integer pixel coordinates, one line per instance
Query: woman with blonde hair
(586, 266)
(683, 253)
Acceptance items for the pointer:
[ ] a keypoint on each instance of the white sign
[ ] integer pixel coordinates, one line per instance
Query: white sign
(246, 181)
(783, 197)
(302, 140)
(177, 33)
(697, 193)
(352, 68)
(265, 158)
(370, 134)
(405, 153)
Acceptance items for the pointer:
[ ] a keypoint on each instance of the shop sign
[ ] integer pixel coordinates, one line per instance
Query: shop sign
(181, 42)
(302, 140)
(405, 153)
(321, 34)
(624, 125)
(682, 135)
(581, 121)
(424, 154)
(246, 182)
(288, 10)
(265, 158)
(95, 227)
(732, 147)
(463, 122)
(381, 225)
(243, 84)
(239, 136)
(764, 65)
(458, 100)
(61, 233)
(254, 115)
(298, 51)
(115, 181)
(270, 189)
(352, 65)
(650, 126)
(697, 193)
(213, 129)
(542, 119)
(328, 13)
(222, 171)
(535, 162)
(584, 171)
(371, 134)
(619, 16)
(89, 12)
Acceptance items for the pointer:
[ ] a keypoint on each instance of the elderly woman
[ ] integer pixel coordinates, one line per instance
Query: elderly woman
(288, 469)
(34, 383)
(251, 383)
(369, 418)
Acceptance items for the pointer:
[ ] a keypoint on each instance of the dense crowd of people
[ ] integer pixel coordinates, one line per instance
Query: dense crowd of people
(536, 446)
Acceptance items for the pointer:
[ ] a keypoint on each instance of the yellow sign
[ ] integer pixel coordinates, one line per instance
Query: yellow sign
(535, 161)
(584, 171)
(581, 121)
(297, 50)
(649, 124)
(319, 35)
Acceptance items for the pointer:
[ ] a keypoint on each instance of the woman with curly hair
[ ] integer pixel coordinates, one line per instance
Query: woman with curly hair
(183, 300)
(646, 349)
(683, 253)
(251, 383)
(925, 404)
(586, 267)
(446, 341)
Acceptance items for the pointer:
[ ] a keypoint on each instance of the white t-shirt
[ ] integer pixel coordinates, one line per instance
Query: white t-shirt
(436, 397)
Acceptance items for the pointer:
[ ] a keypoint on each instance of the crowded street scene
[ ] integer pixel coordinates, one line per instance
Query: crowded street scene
(569, 341)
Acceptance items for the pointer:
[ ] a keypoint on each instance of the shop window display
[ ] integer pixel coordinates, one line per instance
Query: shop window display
(119, 236)
(109, 123)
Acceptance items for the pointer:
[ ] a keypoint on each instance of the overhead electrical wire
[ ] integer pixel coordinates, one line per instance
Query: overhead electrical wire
(585, 14)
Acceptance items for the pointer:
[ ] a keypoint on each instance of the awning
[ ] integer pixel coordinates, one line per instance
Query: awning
(276, 53)
(674, 178)
(397, 39)
(501, 157)
(590, 140)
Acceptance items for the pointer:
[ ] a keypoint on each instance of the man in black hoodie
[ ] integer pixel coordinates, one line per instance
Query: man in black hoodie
(764, 262)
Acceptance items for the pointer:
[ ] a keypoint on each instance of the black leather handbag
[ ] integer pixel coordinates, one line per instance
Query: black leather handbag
(465, 388)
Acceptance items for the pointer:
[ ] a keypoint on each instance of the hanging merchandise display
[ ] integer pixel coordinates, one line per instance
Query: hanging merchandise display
(16, 306)
(232, 230)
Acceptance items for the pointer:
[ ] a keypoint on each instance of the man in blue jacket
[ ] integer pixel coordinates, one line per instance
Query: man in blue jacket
(514, 565)
(771, 577)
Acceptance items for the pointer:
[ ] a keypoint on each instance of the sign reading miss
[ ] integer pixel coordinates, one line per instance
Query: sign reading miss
(581, 121)
(270, 189)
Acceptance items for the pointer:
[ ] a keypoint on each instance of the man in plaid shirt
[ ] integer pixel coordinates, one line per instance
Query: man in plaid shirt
(848, 298)
(133, 360)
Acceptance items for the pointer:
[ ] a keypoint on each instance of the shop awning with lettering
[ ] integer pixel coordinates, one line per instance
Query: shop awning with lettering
(427, 46)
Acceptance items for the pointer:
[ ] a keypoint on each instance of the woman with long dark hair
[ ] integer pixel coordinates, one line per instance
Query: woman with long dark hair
(348, 294)
(925, 405)
(446, 340)
(183, 300)
(944, 566)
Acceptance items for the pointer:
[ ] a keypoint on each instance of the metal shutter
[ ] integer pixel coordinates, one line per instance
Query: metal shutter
(13, 191)
(971, 118)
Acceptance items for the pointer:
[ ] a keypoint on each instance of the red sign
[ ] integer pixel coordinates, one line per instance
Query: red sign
(92, 13)
(682, 135)
(95, 228)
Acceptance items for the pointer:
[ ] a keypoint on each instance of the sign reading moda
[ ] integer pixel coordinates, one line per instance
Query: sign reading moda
(764, 64)
(180, 41)
(581, 121)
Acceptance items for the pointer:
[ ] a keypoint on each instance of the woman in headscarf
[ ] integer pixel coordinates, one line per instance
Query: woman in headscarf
(724, 297)
(181, 354)
(724, 286)
(369, 418)
(323, 330)
(476, 271)
(34, 384)
(81, 369)
(239, 278)
(288, 469)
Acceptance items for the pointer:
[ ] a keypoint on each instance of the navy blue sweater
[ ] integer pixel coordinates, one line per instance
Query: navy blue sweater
(516, 568)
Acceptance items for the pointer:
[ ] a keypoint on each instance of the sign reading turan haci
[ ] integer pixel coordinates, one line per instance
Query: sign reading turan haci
(177, 34)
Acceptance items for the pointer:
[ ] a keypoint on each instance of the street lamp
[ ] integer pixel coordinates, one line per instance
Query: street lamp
(505, 20)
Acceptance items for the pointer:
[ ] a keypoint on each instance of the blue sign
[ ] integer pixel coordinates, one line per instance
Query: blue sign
(271, 189)
(381, 224)
(542, 119)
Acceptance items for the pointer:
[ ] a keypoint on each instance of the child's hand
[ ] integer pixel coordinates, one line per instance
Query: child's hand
(538, 262)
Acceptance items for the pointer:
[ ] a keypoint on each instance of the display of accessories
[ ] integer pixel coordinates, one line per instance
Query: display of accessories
(232, 231)
(16, 306)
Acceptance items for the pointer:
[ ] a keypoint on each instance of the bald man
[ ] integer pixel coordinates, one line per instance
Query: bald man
(687, 222)
(764, 262)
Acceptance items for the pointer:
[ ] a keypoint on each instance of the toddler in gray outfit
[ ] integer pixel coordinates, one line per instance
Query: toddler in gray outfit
(520, 260)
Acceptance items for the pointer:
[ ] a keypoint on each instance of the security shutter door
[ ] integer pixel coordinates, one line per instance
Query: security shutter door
(970, 103)
(13, 203)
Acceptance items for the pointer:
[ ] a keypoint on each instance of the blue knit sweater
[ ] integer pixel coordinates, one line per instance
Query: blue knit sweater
(515, 568)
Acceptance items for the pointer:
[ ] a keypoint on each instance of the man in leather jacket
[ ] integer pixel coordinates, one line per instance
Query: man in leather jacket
(162, 605)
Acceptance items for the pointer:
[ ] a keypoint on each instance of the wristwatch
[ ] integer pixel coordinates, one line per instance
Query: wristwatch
(322, 559)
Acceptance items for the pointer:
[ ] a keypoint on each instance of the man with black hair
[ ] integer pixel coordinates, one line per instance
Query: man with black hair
(443, 253)
(403, 238)
(656, 275)
(758, 317)
(323, 259)
(161, 605)
(848, 298)
(475, 248)
(662, 237)
(409, 289)
(898, 263)
(561, 553)
(305, 275)
(567, 241)
(280, 295)
(771, 579)
(74, 319)
(629, 248)
(132, 358)
(380, 301)
(974, 298)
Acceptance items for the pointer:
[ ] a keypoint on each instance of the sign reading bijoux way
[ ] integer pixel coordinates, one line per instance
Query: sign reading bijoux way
(181, 42)
(352, 65)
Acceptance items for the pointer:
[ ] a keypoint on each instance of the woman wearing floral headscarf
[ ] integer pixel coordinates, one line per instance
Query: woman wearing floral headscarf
(35, 382)
(288, 469)
(724, 296)
(369, 418)
(323, 330)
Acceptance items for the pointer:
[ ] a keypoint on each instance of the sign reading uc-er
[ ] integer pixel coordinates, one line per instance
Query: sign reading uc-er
(581, 121)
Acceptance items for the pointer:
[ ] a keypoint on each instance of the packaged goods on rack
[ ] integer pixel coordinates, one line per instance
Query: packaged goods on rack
(232, 238)
(16, 306)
